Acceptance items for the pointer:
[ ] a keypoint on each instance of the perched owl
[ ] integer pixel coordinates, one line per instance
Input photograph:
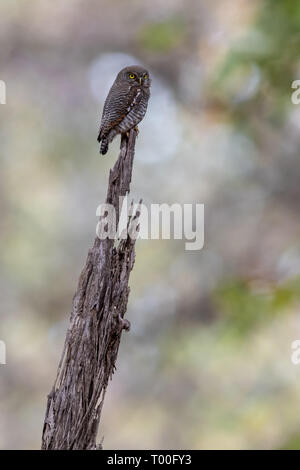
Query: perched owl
(125, 105)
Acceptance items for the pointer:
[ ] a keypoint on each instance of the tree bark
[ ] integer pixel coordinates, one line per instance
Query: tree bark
(96, 324)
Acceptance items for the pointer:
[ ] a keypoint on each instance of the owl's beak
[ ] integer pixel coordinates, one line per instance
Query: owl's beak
(140, 80)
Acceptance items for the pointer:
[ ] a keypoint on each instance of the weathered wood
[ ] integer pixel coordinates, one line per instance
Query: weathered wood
(96, 324)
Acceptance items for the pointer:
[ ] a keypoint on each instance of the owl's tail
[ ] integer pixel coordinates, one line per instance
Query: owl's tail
(105, 141)
(104, 146)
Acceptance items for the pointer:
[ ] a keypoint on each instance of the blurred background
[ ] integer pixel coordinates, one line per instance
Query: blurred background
(207, 364)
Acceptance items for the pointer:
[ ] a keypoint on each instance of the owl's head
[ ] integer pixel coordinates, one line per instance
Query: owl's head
(134, 75)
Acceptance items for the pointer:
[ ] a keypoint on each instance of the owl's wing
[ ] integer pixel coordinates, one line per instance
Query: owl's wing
(119, 102)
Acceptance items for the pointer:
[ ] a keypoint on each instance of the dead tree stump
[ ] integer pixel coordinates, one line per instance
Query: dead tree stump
(96, 324)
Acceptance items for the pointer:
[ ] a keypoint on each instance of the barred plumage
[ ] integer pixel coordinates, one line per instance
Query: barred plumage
(125, 105)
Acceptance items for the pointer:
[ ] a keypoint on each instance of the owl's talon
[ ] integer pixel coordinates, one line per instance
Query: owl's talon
(136, 130)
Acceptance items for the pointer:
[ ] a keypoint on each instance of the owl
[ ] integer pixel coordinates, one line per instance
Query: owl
(125, 105)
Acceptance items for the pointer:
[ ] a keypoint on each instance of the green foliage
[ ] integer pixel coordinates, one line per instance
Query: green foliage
(245, 307)
(293, 443)
(271, 48)
(164, 36)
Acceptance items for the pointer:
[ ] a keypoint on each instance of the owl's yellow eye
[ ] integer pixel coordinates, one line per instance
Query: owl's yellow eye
(146, 76)
(131, 75)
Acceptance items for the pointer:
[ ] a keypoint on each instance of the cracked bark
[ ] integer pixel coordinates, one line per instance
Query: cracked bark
(97, 320)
